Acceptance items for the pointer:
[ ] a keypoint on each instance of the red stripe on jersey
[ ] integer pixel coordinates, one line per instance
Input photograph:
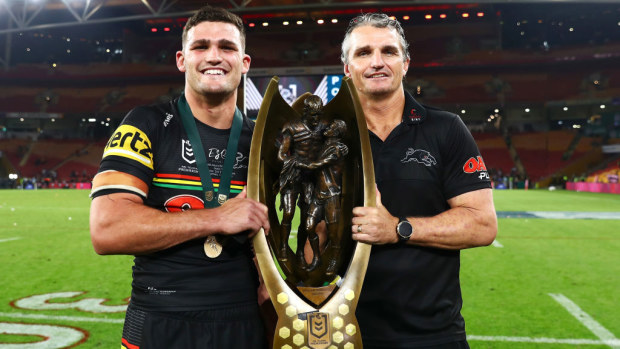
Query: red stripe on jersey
(127, 345)
(193, 178)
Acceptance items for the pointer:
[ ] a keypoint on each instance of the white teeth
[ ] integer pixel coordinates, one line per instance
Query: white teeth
(213, 72)
(378, 76)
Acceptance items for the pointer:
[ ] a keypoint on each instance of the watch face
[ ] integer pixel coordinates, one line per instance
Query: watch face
(404, 230)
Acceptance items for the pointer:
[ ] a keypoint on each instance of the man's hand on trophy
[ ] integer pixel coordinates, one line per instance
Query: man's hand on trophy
(374, 225)
(241, 214)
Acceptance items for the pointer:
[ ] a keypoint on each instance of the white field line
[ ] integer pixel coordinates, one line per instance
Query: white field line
(62, 318)
(543, 340)
(585, 319)
(497, 244)
(9, 239)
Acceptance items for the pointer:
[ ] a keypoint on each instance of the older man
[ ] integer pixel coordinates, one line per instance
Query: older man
(433, 199)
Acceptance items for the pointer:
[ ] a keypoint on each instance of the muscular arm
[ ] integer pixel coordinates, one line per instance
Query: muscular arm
(470, 222)
(121, 224)
(287, 139)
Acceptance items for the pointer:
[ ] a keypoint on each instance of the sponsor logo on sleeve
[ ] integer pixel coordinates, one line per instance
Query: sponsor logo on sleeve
(420, 156)
(131, 143)
(476, 165)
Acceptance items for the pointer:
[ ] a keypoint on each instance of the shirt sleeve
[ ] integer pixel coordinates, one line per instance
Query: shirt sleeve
(465, 169)
(129, 150)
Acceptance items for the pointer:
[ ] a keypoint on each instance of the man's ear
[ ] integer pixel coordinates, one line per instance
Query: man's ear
(346, 70)
(246, 63)
(406, 66)
(180, 61)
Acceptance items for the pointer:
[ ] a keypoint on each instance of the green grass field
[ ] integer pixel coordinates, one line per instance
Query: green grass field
(545, 283)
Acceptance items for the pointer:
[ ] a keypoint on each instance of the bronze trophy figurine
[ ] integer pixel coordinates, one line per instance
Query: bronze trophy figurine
(318, 160)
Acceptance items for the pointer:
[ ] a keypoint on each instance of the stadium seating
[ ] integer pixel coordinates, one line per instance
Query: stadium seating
(68, 159)
(494, 151)
(542, 153)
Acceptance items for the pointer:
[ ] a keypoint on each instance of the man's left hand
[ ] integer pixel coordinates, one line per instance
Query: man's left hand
(374, 225)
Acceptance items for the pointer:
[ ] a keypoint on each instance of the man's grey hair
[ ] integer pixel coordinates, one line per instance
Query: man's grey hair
(377, 20)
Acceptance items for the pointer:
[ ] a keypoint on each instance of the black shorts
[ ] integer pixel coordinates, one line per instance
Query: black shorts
(235, 327)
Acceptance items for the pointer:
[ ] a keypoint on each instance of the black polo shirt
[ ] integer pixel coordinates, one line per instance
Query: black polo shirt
(411, 295)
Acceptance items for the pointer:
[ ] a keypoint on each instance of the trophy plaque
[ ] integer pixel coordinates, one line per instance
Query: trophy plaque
(313, 162)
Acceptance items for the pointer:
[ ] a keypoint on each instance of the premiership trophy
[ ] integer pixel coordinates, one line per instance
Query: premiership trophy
(312, 162)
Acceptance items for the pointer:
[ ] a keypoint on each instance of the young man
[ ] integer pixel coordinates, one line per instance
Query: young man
(194, 281)
(433, 199)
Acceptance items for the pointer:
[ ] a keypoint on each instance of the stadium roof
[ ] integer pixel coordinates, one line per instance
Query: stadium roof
(25, 15)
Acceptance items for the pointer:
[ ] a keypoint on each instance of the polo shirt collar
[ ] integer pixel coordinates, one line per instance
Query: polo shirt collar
(414, 113)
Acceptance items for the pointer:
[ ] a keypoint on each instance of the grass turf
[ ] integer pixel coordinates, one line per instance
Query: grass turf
(45, 248)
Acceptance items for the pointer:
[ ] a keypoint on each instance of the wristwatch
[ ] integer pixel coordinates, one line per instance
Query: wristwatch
(404, 229)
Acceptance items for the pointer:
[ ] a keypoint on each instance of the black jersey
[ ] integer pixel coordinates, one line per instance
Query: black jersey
(152, 144)
(411, 295)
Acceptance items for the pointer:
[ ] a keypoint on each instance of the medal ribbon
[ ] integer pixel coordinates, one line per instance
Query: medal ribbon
(189, 123)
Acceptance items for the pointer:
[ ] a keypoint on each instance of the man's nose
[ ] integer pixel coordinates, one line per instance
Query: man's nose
(376, 60)
(213, 55)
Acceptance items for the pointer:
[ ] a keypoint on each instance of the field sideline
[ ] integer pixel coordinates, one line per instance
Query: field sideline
(544, 283)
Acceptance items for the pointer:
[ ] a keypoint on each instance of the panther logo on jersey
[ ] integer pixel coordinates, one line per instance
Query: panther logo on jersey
(132, 143)
(420, 156)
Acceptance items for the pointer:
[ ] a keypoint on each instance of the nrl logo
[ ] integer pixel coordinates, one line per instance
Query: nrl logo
(318, 333)
(187, 153)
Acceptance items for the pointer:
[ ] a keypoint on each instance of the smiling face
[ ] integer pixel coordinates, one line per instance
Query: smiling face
(376, 62)
(213, 59)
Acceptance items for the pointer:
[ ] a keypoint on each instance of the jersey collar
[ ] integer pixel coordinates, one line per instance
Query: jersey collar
(414, 113)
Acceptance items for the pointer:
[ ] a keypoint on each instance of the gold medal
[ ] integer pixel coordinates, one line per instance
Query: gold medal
(213, 248)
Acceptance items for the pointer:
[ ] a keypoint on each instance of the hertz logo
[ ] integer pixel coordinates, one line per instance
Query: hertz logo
(131, 143)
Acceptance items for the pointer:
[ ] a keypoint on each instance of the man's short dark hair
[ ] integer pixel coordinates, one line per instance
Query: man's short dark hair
(215, 14)
(377, 20)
